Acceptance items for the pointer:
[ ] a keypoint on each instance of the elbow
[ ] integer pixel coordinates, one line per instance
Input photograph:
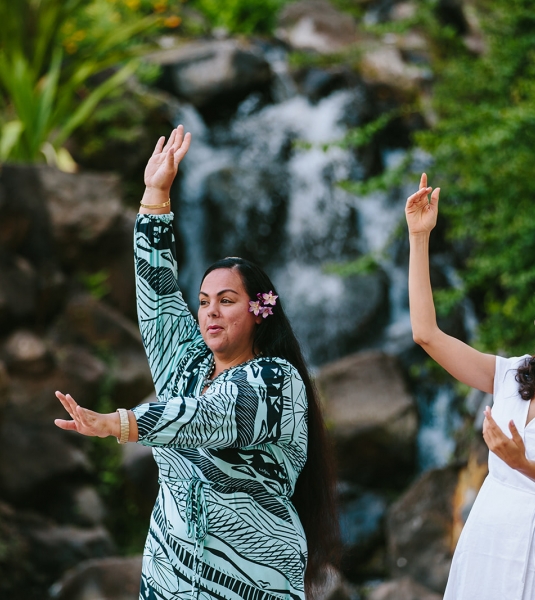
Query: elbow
(419, 339)
(425, 337)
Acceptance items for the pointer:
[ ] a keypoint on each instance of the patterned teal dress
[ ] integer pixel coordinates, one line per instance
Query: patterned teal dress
(223, 525)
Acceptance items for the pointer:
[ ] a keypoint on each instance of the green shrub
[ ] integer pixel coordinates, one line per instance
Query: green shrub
(58, 60)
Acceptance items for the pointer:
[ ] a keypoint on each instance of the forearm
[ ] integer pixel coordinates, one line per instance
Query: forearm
(422, 307)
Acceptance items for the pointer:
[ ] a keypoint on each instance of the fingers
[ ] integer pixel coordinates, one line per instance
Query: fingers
(181, 152)
(517, 438)
(418, 196)
(67, 425)
(159, 146)
(423, 181)
(68, 402)
(170, 141)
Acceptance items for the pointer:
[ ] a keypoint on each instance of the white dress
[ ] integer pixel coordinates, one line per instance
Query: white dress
(494, 559)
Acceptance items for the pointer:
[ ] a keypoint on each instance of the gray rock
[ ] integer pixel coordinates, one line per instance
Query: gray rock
(402, 589)
(111, 578)
(27, 353)
(316, 25)
(371, 418)
(419, 529)
(33, 454)
(334, 587)
(18, 289)
(203, 71)
(83, 208)
(383, 64)
(34, 552)
(87, 320)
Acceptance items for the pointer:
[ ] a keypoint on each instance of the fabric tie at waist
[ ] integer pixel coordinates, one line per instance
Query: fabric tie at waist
(197, 527)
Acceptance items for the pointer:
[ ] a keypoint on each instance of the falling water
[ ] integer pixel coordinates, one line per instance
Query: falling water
(264, 186)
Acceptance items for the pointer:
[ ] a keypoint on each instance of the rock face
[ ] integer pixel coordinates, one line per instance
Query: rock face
(205, 72)
(55, 228)
(110, 579)
(420, 529)
(316, 25)
(372, 419)
(403, 589)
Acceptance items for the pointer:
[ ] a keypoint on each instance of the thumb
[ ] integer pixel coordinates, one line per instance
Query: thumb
(434, 197)
(517, 438)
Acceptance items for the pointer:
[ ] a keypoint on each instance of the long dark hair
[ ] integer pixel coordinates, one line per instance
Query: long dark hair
(525, 376)
(314, 496)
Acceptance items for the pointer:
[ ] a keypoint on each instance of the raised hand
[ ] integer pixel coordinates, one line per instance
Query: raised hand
(163, 164)
(87, 422)
(420, 211)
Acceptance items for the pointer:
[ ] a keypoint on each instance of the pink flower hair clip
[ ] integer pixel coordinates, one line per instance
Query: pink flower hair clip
(263, 305)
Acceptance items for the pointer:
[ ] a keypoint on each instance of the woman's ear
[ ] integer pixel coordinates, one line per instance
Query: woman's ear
(258, 319)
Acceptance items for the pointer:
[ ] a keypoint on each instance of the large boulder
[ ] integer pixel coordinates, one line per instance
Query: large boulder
(402, 589)
(316, 25)
(207, 71)
(111, 578)
(372, 419)
(36, 551)
(383, 64)
(420, 529)
(83, 208)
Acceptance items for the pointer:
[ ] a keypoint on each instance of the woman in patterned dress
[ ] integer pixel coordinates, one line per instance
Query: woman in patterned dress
(246, 502)
(495, 555)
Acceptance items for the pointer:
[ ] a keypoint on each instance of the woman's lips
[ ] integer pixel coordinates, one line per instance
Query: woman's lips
(214, 328)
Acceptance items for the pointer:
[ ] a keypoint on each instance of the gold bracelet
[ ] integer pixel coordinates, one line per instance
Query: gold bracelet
(156, 205)
(125, 426)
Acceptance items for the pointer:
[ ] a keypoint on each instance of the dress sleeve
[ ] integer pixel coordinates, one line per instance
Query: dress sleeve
(506, 369)
(169, 331)
(262, 402)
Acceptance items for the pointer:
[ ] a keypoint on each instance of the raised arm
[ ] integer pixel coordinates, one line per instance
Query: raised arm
(466, 364)
(169, 331)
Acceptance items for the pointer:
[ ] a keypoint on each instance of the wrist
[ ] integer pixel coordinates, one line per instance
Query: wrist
(113, 424)
(152, 200)
(419, 235)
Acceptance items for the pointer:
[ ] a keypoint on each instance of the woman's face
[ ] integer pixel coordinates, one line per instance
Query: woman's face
(226, 324)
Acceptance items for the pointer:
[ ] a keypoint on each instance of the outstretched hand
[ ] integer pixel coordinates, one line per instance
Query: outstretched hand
(163, 164)
(87, 422)
(511, 450)
(420, 211)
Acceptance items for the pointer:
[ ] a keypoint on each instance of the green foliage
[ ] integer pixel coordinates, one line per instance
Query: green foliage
(364, 265)
(124, 521)
(483, 150)
(241, 16)
(53, 54)
(96, 283)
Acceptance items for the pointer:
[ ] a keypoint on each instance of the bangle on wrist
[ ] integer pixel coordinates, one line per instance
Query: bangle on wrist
(125, 426)
(163, 205)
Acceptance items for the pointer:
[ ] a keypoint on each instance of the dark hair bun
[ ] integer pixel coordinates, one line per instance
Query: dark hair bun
(525, 376)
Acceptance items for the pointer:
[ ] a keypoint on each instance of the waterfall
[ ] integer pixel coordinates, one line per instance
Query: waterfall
(263, 186)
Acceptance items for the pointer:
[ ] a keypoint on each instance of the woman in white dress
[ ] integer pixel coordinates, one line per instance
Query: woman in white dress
(495, 556)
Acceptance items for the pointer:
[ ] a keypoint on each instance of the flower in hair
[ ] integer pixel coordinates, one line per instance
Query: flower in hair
(263, 305)
(270, 298)
(255, 307)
